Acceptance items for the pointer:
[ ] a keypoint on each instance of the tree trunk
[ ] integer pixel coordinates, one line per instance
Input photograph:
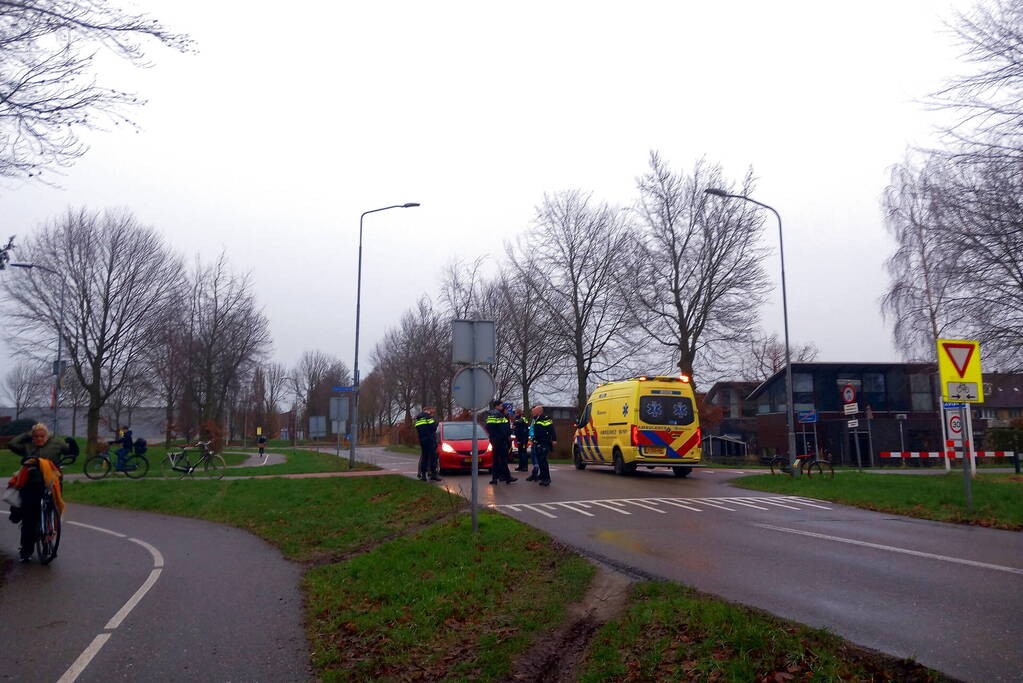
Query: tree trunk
(92, 428)
(167, 424)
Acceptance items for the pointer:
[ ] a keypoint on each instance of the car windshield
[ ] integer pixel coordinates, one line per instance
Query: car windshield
(462, 431)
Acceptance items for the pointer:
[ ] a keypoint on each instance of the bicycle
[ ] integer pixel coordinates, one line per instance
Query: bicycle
(48, 535)
(809, 464)
(177, 462)
(135, 466)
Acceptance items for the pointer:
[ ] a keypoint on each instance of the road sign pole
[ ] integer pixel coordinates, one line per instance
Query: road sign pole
(870, 436)
(967, 480)
(475, 447)
(968, 434)
(856, 440)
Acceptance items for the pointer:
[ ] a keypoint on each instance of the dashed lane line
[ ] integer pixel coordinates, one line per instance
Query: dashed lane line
(90, 652)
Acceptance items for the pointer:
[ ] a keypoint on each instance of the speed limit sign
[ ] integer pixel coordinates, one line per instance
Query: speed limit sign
(954, 425)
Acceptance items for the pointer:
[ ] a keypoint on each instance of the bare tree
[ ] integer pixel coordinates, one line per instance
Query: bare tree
(25, 386)
(308, 374)
(699, 278)
(227, 333)
(531, 352)
(119, 277)
(275, 378)
(765, 355)
(919, 300)
(989, 98)
(583, 270)
(48, 86)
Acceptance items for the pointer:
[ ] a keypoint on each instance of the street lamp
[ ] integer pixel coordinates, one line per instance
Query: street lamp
(358, 308)
(60, 335)
(790, 407)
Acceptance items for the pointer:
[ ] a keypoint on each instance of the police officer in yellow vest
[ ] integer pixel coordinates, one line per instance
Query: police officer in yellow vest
(426, 426)
(544, 440)
(499, 432)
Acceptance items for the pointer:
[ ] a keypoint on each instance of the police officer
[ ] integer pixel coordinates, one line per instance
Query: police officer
(544, 440)
(521, 428)
(426, 426)
(499, 432)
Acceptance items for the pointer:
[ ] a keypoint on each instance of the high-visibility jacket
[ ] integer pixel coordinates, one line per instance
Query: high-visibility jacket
(426, 425)
(543, 431)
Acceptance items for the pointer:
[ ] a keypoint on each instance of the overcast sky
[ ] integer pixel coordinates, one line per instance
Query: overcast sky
(293, 119)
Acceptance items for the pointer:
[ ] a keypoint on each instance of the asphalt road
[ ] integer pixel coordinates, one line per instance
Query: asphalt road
(147, 597)
(949, 596)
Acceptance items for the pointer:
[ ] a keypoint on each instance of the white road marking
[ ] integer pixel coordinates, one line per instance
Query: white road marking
(894, 549)
(704, 501)
(768, 501)
(679, 505)
(604, 505)
(542, 512)
(96, 528)
(648, 507)
(804, 501)
(548, 506)
(737, 501)
(83, 660)
(573, 509)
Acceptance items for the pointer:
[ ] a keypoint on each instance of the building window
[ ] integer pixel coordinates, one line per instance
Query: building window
(921, 396)
(874, 391)
(1013, 413)
(802, 390)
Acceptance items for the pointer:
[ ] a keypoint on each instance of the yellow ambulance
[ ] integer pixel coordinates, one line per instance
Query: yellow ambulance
(640, 422)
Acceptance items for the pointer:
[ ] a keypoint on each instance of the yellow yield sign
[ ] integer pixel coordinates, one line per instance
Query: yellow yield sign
(959, 368)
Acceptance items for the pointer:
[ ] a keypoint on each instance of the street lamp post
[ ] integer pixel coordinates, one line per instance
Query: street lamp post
(789, 407)
(60, 335)
(358, 308)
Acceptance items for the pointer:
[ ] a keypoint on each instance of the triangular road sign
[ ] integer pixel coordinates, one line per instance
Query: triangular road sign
(960, 355)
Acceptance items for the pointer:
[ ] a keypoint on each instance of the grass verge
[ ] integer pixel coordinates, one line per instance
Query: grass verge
(437, 605)
(308, 519)
(997, 498)
(670, 632)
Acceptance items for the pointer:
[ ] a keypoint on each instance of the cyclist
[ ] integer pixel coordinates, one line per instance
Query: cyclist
(34, 477)
(125, 440)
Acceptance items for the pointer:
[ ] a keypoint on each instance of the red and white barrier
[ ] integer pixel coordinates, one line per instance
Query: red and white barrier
(950, 454)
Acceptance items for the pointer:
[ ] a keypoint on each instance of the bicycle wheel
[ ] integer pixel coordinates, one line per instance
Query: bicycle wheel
(49, 534)
(168, 465)
(214, 466)
(820, 468)
(136, 466)
(97, 467)
(780, 466)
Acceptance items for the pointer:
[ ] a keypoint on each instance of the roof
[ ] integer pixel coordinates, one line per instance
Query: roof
(798, 367)
(1003, 390)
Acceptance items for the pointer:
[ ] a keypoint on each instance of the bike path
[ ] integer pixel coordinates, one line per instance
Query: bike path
(143, 596)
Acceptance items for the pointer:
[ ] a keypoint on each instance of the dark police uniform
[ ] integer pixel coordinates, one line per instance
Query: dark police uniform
(499, 432)
(426, 426)
(544, 437)
(521, 428)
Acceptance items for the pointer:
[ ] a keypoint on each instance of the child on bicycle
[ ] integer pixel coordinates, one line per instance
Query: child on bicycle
(35, 477)
(126, 442)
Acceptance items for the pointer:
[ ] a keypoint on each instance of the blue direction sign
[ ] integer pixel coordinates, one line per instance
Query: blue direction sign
(342, 388)
(953, 405)
(806, 416)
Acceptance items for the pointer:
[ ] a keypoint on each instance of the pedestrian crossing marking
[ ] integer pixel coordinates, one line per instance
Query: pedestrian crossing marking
(621, 505)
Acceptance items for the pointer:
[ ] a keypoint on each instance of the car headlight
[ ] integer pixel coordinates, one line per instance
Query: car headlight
(490, 447)
(446, 447)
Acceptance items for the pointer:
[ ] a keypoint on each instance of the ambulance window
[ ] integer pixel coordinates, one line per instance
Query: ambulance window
(666, 410)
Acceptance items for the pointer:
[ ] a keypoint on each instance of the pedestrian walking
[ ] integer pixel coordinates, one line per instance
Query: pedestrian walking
(544, 440)
(261, 440)
(426, 426)
(521, 429)
(535, 474)
(499, 432)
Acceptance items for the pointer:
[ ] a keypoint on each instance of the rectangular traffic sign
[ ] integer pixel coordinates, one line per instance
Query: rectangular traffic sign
(806, 416)
(959, 368)
(950, 405)
(851, 408)
(342, 388)
(853, 424)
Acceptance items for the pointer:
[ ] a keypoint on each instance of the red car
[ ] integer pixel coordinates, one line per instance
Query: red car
(454, 446)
